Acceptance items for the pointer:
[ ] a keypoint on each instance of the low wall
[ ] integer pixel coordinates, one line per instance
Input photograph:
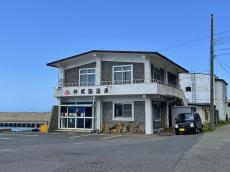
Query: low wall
(136, 126)
(53, 124)
(26, 117)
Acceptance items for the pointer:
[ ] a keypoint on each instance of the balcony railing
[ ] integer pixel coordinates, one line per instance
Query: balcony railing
(135, 81)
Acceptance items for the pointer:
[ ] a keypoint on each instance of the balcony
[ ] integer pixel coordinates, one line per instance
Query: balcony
(135, 87)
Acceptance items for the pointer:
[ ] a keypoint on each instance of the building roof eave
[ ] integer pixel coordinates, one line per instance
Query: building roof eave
(57, 62)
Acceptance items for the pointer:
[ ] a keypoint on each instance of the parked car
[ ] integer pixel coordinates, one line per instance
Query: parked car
(188, 123)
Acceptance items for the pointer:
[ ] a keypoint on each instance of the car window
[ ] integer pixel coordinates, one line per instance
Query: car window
(185, 117)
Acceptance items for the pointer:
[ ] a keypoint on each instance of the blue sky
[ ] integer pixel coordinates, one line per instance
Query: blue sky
(33, 33)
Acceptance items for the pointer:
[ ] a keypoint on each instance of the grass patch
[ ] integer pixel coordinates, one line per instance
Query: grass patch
(222, 123)
(218, 125)
(208, 129)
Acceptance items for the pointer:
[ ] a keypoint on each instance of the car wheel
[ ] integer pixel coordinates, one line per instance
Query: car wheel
(195, 131)
(201, 130)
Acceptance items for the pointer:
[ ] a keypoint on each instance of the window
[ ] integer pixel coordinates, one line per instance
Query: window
(122, 74)
(188, 89)
(123, 111)
(158, 74)
(183, 117)
(87, 77)
(172, 79)
(76, 116)
(157, 111)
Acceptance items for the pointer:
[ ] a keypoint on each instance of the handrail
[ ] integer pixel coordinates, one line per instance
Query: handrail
(121, 82)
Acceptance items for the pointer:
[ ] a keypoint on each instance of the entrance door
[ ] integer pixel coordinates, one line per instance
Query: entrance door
(76, 116)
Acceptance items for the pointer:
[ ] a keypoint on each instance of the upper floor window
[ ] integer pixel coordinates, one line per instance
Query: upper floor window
(158, 74)
(122, 74)
(188, 89)
(172, 79)
(87, 77)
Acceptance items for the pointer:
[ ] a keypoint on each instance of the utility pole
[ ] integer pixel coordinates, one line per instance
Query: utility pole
(212, 124)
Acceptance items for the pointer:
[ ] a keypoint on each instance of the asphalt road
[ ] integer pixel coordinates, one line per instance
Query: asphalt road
(210, 154)
(81, 152)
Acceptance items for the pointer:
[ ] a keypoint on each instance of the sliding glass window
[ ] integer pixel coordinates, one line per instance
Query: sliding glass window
(87, 77)
(122, 74)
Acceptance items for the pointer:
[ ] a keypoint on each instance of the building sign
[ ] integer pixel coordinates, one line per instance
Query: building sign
(86, 91)
(67, 92)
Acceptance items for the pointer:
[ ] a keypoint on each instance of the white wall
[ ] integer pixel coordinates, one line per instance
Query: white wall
(221, 99)
(202, 87)
(229, 108)
(202, 91)
(201, 111)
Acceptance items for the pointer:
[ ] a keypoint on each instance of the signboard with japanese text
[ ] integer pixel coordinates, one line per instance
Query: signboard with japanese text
(86, 91)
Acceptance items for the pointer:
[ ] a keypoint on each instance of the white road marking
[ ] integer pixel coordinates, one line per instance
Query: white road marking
(54, 133)
(105, 138)
(6, 150)
(6, 138)
(78, 143)
(79, 136)
(26, 135)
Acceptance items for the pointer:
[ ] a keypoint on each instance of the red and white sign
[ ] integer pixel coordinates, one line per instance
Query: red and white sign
(86, 91)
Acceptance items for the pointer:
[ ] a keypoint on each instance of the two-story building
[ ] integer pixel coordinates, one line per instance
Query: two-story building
(118, 91)
(196, 87)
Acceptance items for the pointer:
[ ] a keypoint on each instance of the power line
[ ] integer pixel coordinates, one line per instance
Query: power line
(223, 54)
(222, 38)
(223, 63)
(185, 43)
(192, 41)
(222, 49)
(221, 42)
(222, 66)
(222, 32)
(203, 71)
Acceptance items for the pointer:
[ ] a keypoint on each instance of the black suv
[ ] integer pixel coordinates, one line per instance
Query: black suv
(188, 123)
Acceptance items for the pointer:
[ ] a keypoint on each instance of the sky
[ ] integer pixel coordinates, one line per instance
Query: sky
(33, 33)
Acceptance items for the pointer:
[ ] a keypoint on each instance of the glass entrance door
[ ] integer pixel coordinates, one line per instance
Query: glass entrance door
(76, 116)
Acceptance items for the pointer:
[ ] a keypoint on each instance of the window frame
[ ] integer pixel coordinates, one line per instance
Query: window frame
(189, 89)
(170, 75)
(153, 111)
(159, 73)
(123, 118)
(131, 71)
(87, 76)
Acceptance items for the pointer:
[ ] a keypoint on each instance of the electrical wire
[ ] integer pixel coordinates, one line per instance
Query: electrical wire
(192, 41)
(203, 71)
(222, 49)
(185, 43)
(222, 38)
(221, 42)
(223, 63)
(219, 62)
(223, 54)
(223, 32)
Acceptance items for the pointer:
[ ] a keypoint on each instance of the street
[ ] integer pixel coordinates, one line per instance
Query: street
(210, 154)
(66, 152)
(62, 152)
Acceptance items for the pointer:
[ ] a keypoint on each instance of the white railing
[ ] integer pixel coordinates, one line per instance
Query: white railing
(135, 81)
